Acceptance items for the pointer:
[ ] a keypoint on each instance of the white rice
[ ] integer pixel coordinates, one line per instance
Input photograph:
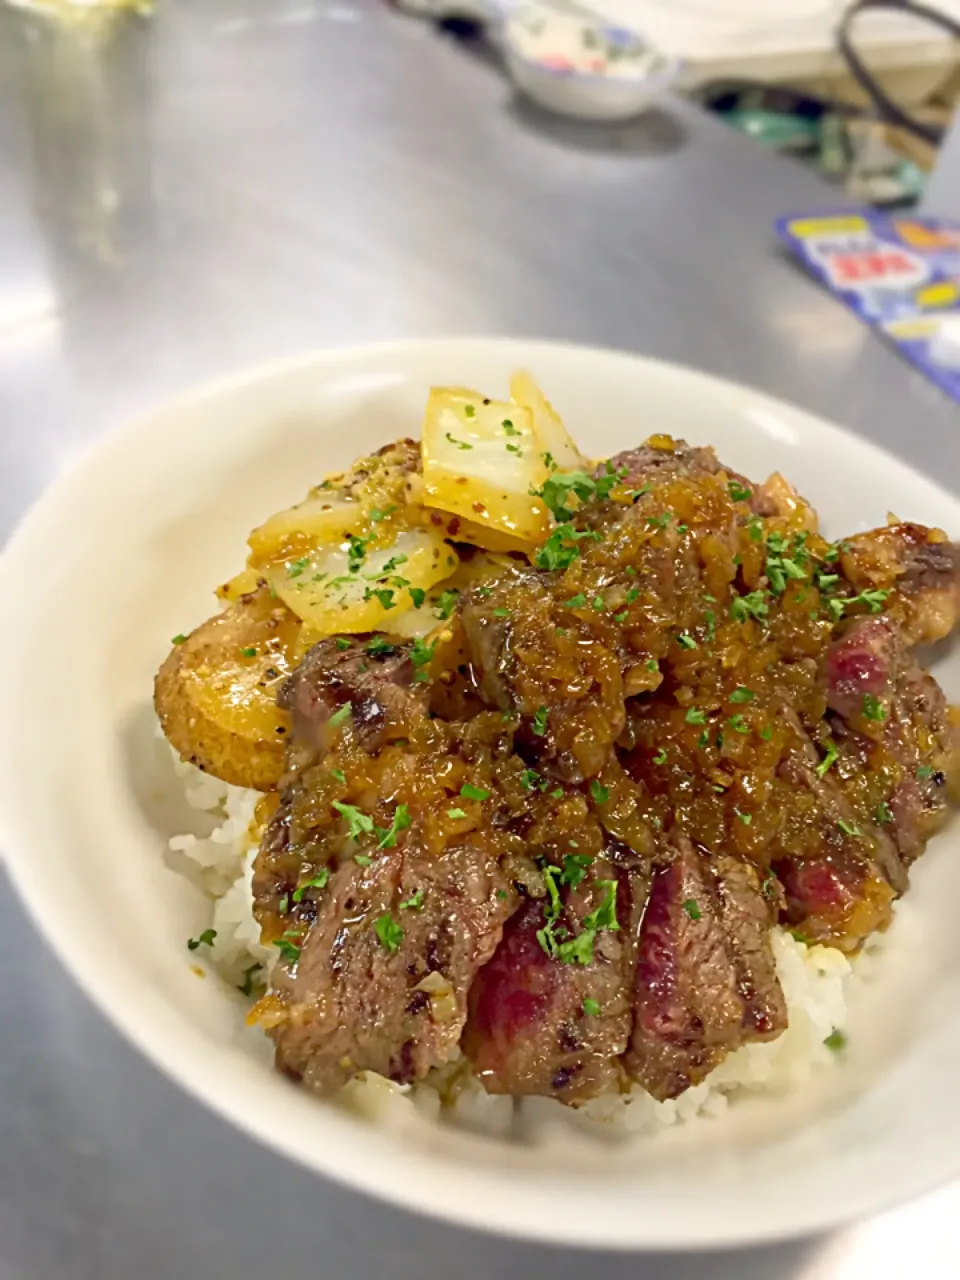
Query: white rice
(816, 982)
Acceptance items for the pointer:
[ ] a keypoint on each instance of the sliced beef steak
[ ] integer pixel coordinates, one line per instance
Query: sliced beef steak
(539, 1025)
(382, 978)
(920, 565)
(381, 689)
(651, 463)
(706, 980)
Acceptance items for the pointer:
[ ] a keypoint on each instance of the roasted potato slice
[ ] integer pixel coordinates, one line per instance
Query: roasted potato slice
(481, 460)
(216, 692)
(552, 436)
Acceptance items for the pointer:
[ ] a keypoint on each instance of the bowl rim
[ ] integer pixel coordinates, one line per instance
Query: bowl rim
(123, 1004)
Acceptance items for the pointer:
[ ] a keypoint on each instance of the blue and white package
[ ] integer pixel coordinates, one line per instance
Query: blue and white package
(899, 274)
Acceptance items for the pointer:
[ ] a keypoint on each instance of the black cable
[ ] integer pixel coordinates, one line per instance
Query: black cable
(886, 107)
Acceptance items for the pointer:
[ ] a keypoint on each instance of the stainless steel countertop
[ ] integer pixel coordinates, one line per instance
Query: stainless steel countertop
(236, 180)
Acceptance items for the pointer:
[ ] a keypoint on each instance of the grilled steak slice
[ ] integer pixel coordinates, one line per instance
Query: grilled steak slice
(706, 981)
(651, 463)
(381, 981)
(539, 1025)
(381, 689)
(921, 567)
(891, 718)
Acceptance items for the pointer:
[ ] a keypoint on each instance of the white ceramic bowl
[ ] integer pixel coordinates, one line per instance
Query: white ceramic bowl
(122, 553)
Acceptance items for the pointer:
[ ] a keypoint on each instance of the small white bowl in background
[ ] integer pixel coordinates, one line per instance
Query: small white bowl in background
(579, 65)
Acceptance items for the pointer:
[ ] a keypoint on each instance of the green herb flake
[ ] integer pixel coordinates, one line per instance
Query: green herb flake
(884, 813)
(836, 1040)
(414, 902)
(379, 647)
(470, 792)
(456, 814)
(358, 823)
(417, 595)
(362, 859)
(501, 613)
(599, 792)
(575, 868)
(738, 492)
(445, 604)
(591, 1007)
(766, 733)
(692, 909)
(389, 934)
(745, 818)
(421, 656)
(509, 428)
(539, 725)
(605, 916)
(179, 639)
(742, 695)
(341, 714)
(686, 642)
(249, 651)
(695, 716)
(738, 724)
(288, 950)
(597, 603)
(873, 709)
(459, 444)
(246, 986)
(660, 757)
(388, 835)
(578, 601)
(529, 779)
(560, 549)
(340, 776)
(342, 644)
(848, 828)
(319, 881)
(829, 758)
(205, 939)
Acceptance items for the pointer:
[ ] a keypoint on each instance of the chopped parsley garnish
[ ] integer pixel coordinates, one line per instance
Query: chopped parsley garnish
(556, 490)
(341, 714)
(578, 950)
(578, 601)
(755, 529)
(738, 724)
(661, 521)
(653, 664)
(445, 604)
(597, 603)
(766, 733)
(358, 823)
(873, 708)
(745, 818)
(599, 792)
(560, 549)
(460, 444)
(246, 986)
(686, 642)
(575, 868)
(501, 613)
(695, 716)
(529, 779)
(421, 655)
(376, 515)
(379, 647)
(339, 775)
(319, 881)
(469, 411)
(884, 813)
(389, 934)
(848, 828)
(362, 859)
(383, 594)
(925, 771)
(289, 950)
(829, 758)
(417, 595)
(660, 757)
(540, 721)
(738, 492)
(356, 550)
(590, 1007)
(342, 644)
(283, 906)
(509, 428)
(470, 792)
(414, 902)
(753, 605)
(296, 567)
(692, 909)
(768, 886)
(205, 939)
(249, 651)
(514, 448)
(741, 694)
(388, 835)
(605, 916)
(456, 814)
(836, 1040)
(179, 639)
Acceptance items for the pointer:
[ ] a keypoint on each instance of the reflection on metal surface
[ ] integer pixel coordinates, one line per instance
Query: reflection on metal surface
(84, 101)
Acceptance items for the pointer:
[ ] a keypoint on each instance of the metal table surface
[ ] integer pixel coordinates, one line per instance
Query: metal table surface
(234, 181)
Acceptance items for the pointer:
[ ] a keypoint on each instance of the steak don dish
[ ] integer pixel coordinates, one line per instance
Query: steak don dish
(547, 748)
